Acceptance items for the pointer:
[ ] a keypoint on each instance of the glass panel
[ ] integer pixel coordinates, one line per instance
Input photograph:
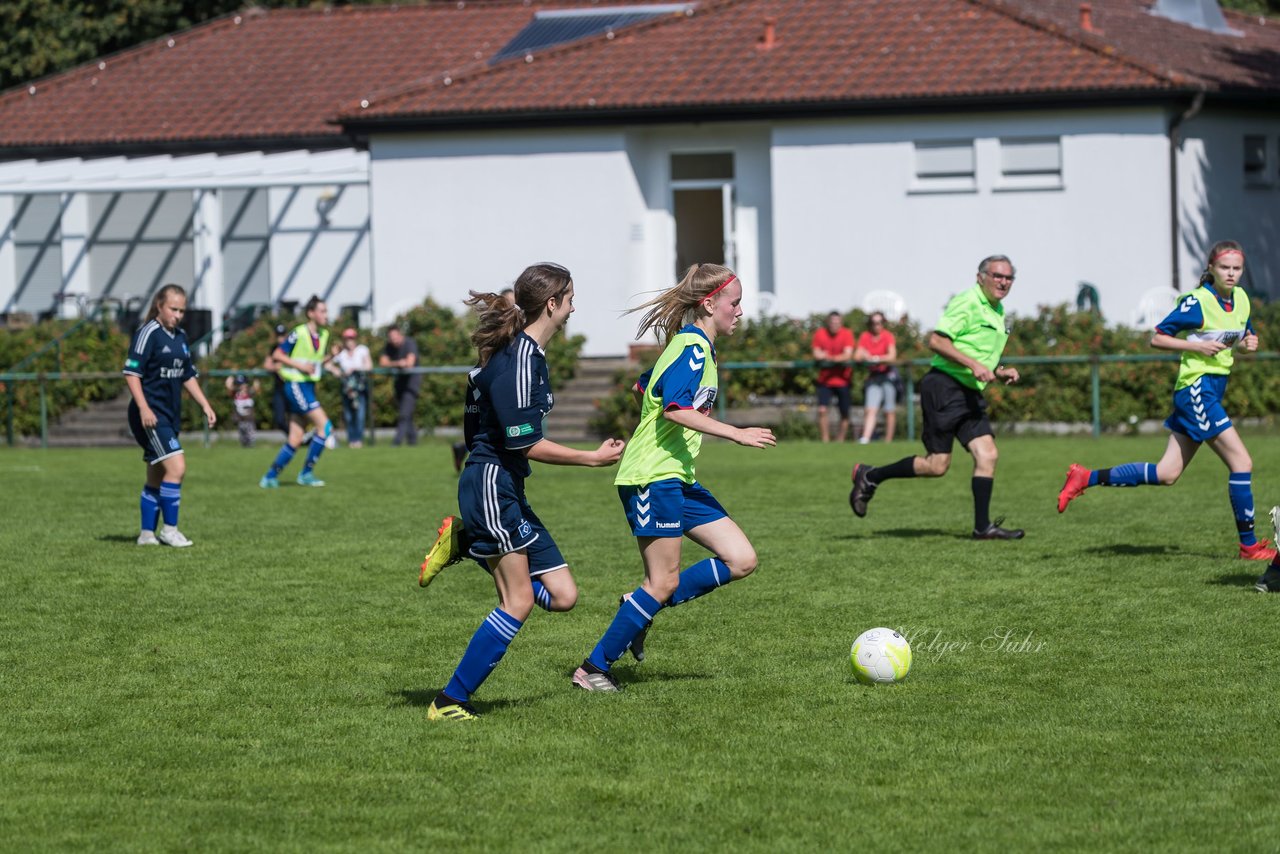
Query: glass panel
(711, 166)
(944, 159)
(1030, 156)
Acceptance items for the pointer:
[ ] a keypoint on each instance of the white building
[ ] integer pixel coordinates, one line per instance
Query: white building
(835, 153)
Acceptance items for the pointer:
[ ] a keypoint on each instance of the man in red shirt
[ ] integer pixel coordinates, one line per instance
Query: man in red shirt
(833, 343)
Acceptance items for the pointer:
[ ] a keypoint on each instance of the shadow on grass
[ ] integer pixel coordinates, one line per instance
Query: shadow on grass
(637, 676)
(1115, 549)
(131, 539)
(422, 699)
(906, 534)
(1235, 579)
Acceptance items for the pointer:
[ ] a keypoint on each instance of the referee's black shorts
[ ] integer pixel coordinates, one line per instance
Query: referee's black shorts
(951, 411)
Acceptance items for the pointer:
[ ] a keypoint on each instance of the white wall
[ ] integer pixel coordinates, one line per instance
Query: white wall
(1219, 203)
(846, 220)
(469, 211)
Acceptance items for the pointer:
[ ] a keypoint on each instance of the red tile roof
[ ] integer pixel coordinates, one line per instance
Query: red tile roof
(283, 77)
(831, 51)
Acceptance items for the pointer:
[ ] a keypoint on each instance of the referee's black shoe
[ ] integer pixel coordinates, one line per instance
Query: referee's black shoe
(995, 532)
(862, 491)
(1269, 581)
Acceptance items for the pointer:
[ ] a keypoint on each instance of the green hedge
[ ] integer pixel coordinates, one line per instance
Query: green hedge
(443, 338)
(1045, 393)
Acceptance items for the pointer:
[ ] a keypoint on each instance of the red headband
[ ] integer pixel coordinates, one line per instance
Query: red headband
(1229, 250)
(732, 276)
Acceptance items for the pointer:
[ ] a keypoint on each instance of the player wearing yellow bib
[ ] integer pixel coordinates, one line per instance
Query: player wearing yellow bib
(660, 494)
(967, 344)
(1214, 318)
(303, 356)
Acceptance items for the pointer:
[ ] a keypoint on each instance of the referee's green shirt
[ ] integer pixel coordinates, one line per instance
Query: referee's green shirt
(977, 329)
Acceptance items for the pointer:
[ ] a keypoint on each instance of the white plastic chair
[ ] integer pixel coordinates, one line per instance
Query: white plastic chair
(1153, 306)
(890, 303)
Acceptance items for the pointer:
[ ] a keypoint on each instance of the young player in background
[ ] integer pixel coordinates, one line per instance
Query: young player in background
(1214, 318)
(302, 358)
(661, 497)
(243, 392)
(508, 397)
(156, 370)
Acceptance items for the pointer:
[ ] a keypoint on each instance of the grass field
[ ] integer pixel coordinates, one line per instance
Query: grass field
(267, 689)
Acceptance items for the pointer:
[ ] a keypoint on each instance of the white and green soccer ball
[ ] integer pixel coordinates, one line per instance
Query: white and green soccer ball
(880, 657)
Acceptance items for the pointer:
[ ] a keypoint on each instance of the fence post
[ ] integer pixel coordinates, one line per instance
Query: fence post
(44, 416)
(9, 414)
(1096, 396)
(911, 406)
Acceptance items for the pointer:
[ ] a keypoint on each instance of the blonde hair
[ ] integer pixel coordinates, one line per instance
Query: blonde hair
(677, 306)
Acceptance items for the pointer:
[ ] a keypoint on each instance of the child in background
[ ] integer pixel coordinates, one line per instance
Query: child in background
(242, 394)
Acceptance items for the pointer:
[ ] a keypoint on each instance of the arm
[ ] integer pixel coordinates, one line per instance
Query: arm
(946, 348)
(751, 437)
(135, 389)
(1161, 341)
(552, 453)
(197, 394)
(892, 355)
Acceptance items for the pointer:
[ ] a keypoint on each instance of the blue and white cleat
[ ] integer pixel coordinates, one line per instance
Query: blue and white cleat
(306, 478)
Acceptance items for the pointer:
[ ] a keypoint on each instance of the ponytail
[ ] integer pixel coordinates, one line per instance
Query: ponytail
(677, 306)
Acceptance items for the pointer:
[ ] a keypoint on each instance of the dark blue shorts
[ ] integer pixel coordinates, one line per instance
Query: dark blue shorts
(300, 398)
(1197, 409)
(668, 508)
(499, 520)
(158, 443)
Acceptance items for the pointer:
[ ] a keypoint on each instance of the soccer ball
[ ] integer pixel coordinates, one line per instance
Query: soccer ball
(880, 656)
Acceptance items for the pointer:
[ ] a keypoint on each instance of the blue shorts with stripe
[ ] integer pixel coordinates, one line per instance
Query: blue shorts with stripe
(159, 442)
(499, 520)
(300, 398)
(1197, 409)
(668, 508)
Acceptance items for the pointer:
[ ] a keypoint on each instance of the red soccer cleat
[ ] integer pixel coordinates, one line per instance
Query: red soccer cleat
(1077, 483)
(1261, 550)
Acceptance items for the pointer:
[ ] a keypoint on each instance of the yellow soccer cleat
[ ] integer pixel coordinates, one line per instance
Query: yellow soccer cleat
(445, 551)
(451, 711)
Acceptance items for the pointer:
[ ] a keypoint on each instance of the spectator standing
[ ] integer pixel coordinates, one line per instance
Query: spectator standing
(833, 342)
(354, 361)
(243, 393)
(880, 391)
(401, 352)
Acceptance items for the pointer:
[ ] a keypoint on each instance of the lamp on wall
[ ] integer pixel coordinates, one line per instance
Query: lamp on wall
(325, 203)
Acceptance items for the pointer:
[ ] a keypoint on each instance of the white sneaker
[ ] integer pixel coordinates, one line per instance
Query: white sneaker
(171, 536)
(148, 538)
(1275, 522)
(863, 440)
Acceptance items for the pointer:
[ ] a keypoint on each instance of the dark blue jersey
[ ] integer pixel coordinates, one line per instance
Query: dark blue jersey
(506, 402)
(162, 360)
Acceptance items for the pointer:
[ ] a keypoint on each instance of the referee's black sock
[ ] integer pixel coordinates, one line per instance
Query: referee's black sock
(905, 467)
(982, 502)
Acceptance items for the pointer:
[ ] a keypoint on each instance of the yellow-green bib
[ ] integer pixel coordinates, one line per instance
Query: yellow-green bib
(304, 352)
(1219, 325)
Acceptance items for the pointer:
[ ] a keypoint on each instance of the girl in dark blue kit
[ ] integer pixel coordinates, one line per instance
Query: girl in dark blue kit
(156, 370)
(508, 396)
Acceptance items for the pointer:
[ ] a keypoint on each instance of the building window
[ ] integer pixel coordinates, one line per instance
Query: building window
(1031, 163)
(1256, 173)
(945, 166)
(702, 205)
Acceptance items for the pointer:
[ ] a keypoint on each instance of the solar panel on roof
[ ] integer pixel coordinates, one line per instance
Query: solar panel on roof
(557, 27)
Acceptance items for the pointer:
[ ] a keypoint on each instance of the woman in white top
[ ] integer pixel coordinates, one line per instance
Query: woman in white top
(355, 362)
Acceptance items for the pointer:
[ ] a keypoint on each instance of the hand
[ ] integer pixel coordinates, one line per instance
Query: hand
(1249, 343)
(148, 417)
(210, 415)
(983, 374)
(1009, 375)
(755, 437)
(609, 452)
(1206, 347)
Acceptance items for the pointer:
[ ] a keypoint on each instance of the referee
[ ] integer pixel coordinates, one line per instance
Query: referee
(966, 346)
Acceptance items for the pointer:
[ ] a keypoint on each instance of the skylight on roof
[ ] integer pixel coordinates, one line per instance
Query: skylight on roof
(562, 26)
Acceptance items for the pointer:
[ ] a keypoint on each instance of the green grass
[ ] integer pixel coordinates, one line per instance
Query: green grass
(267, 689)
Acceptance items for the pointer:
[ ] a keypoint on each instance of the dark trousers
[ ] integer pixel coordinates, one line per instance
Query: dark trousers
(279, 414)
(406, 430)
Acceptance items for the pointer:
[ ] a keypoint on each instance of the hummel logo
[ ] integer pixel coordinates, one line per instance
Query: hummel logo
(1188, 303)
(643, 520)
(1221, 422)
(697, 359)
(643, 496)
(642, 508)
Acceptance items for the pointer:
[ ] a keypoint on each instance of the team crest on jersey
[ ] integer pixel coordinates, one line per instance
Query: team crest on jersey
(173, 444)
(705, 399)
(525, 528)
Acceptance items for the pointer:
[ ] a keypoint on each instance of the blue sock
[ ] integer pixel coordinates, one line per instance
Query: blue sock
(541, 595)
(486, 649)
(150, 507)
(635, 612)
(703, 577)
(170, 497)
(313, 453)
(1129, 474)
(282, 459)
(1240, 488)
